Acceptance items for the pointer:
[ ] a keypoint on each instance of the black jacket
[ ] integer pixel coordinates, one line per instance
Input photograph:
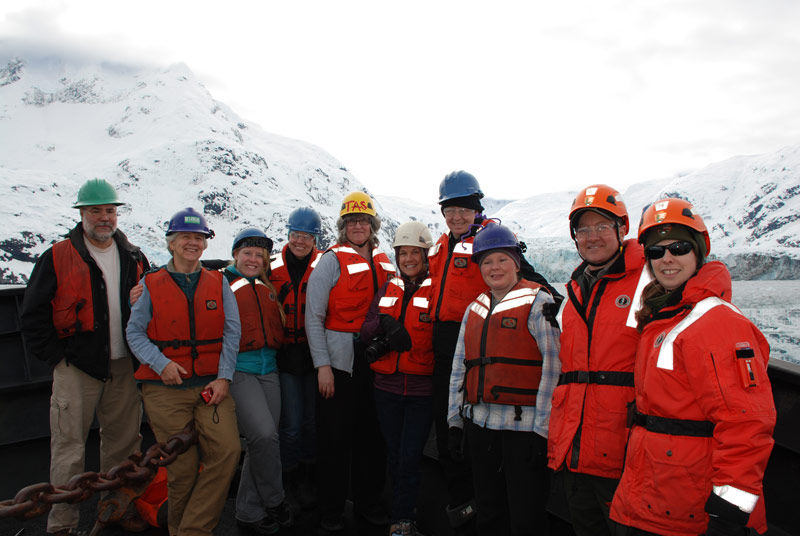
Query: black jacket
(87, 350)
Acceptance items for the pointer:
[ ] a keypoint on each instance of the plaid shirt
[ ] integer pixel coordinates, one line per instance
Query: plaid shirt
(502, 416)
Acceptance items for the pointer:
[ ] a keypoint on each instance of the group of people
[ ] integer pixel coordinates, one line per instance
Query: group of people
(334, 366)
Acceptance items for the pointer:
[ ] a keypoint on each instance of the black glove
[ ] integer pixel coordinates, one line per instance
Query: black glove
(724, 518)
(722, 527)
(396, 334)
(455, 443)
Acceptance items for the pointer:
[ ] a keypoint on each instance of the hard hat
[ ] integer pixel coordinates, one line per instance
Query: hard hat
(97, 192)
(459, 184)
(190, 221)
(600, 198)
(305, 220)
(493, 236)
(413, 233)
(673, 211)
(251, 237)
(357, 203)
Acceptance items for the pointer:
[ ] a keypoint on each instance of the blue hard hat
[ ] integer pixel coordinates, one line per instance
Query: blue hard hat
(190, 221)
(305, 220)
(251, 237)
(493, 236)
(459, 184)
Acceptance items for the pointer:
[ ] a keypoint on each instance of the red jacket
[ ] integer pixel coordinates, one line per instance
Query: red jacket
(349, 299)
(417, 321)
(503, 362)
(292, 299)
(706, 413)
(191, 338)
(259, 313)
(598, 347)
(456, 279)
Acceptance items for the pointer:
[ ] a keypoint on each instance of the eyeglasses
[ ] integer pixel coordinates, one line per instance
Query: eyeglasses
(676, 249)
(300, 237)
(449, 212)
(599, 229)
(357, 221)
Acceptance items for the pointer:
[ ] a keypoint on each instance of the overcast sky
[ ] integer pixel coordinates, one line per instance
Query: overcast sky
(529, 96)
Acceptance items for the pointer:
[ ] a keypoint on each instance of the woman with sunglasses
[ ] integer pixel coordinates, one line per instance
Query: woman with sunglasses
(703, 418)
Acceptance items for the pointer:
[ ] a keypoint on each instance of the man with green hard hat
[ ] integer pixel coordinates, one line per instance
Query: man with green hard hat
(73, 317)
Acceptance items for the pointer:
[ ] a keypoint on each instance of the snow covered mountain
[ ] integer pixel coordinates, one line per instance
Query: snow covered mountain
(162, 139)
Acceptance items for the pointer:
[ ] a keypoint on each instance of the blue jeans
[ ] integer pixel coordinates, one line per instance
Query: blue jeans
(298, 416)
(405, 422)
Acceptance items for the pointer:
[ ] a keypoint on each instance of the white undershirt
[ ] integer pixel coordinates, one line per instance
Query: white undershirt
(107, 260)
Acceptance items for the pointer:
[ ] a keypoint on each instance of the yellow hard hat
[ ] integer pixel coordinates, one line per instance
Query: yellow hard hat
(357, 203)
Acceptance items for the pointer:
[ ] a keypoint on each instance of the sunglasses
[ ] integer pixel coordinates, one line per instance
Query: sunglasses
(676, 249)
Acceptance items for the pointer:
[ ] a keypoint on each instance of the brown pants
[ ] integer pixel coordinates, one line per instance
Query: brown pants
(195, 498)
(75, 400)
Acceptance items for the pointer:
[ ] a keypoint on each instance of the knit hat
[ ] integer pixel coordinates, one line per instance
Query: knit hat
(471, 201)
(670, 231)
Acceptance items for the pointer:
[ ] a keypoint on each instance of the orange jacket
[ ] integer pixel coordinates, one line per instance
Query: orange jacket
(598, 347)
(456, 279)
(706, 413)
(350, 298)
(417, 321)
(292, 299)
(190, 337)
(503, 362)
(259, 313)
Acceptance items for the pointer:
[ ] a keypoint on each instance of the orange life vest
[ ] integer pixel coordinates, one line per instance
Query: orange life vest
(350, 298)
(456, 279)
(259, 314)
(73, 309)
(417, 321)
(189, 334)
(292, 299)
(503, 361)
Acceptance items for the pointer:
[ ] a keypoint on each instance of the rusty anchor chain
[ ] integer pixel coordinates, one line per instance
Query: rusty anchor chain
(130, 479)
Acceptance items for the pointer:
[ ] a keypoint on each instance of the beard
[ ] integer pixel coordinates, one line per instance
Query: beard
(101, 234)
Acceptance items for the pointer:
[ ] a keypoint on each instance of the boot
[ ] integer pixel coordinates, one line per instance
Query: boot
(462, 514)
(306, 491)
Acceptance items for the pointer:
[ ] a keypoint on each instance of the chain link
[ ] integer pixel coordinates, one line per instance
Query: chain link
(130, 478)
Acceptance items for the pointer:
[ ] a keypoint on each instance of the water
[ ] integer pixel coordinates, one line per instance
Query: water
(773, 306)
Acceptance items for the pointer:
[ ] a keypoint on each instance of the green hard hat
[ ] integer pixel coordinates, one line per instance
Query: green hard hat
(97, 192)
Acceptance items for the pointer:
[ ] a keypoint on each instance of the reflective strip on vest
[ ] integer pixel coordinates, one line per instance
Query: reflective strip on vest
(516, 298)
(665, 355)
(744, 500)
(387, 301)
(435, 249)
(644, 279)
(560, 314)
(239, 283)
(357, 268)
(426, 283)
(277, 262)
(422, 303)
(316, 260)
(463, 248)
(387, 266)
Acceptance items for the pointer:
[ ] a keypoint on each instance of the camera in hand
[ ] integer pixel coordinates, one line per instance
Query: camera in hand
(377, 348)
